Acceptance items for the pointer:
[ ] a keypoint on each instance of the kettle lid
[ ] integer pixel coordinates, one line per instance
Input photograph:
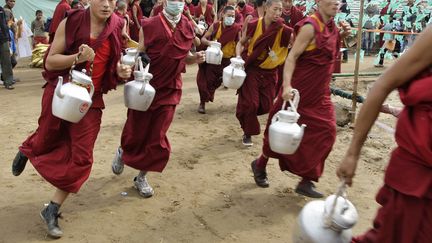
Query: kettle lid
(236, 60)
(345, 215)
(141, 76)
(215, 43)
(81, 77)
(288, 115)
(131, 51)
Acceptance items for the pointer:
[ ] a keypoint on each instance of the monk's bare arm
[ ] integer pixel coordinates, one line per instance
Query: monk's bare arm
(135, 16)
(197, 57)
(124, 31)
(205, 38)
(303, 39)
(56, 60)
(243, 39)
(141, 46)
(409, 65)
(416, 59)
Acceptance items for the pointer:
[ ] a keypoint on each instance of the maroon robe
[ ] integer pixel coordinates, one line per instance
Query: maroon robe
(311, 77)
(209, 76)
(59, 15)
(256, 95)
(208, 17)
(291, 17)
(135, 28)
(246, 10)
(62, 152)
(158, 9)
(144, 141)
(238, 17)
(406, 197)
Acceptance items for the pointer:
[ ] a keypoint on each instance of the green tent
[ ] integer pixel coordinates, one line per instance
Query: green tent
(27, 8)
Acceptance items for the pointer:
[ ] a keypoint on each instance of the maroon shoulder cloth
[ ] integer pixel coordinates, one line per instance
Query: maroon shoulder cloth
(410, 166)
(78, 33)
(266, 40)
(229, 33)
(327, 41)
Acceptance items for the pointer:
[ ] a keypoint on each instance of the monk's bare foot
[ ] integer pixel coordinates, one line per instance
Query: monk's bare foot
(307, 188)
(247, 140)
(201, 108)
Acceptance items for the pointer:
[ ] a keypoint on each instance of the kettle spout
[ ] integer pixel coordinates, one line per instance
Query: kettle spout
(58, 91)
(300, 134)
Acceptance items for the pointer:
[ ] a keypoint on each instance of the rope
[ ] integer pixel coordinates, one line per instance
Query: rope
(75, 63)
(346, 95)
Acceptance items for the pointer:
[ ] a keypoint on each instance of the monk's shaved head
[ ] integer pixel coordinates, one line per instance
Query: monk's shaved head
(270, 2)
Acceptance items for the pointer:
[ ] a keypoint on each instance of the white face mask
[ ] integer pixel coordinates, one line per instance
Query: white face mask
(174, 8)
(228, 21)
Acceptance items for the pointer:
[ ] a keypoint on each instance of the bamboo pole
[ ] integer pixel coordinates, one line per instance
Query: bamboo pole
(357, 62)
(392, 32)
(366, 74)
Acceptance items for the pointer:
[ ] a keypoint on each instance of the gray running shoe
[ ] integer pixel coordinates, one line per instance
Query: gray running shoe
(142, 185)
(50, 215)
(117, 165)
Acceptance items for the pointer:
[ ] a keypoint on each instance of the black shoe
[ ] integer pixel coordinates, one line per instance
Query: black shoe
(201, 108)
(260, 176)
(9, 87)
(19, 163)
(50, 215)
(247, 140)
(307, 188)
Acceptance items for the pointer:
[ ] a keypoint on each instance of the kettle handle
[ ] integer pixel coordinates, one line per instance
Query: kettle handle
(58, 91)
(145, 71)
(294, 102)
(90, 71)
(341, 192)
(232, 72)
(91, 90)
(275, 118)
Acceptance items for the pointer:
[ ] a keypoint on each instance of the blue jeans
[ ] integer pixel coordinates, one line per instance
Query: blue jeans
(368, 40)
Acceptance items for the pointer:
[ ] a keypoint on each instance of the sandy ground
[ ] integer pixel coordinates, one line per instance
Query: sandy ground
(206, 193)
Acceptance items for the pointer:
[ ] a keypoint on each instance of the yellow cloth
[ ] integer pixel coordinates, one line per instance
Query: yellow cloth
(312, 45)
(229, 48)
(277, 54)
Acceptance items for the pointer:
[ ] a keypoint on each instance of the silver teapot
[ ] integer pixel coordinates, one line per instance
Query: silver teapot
(72, 100)
(139, 94)
(130, 57)
(328, 221)
(285, 134)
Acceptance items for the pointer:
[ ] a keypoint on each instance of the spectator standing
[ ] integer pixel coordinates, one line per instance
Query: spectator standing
(59, 15)
(5, 54)
(368, 38)
(38, 29)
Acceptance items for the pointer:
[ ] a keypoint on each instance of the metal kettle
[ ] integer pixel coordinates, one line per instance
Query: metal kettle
(328, 221)
(234, 75)
(72, 100)
(214, 53)
(139, 94)
(285, 134)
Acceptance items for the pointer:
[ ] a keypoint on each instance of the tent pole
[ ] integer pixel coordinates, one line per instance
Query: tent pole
(357, 62)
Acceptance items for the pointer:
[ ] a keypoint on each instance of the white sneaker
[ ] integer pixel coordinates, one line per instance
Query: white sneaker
(142, 185)
(117, 165)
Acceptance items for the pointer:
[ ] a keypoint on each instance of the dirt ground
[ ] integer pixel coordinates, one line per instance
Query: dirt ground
(206, 193)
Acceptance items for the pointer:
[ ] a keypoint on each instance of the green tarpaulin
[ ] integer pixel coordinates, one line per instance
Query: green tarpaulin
(27, 8)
